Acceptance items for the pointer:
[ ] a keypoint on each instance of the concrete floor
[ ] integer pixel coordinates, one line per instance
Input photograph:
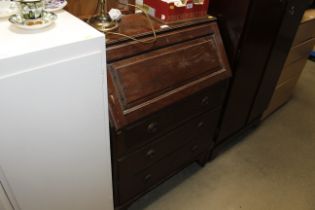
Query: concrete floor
(273, 168)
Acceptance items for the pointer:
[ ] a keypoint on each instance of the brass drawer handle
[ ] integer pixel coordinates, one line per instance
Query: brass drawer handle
(147, 178)
(150, 153)
(205, 101)
(152, 127)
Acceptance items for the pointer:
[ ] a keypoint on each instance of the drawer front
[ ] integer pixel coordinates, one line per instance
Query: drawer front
(203, 125)
(300, 51)
(281, 95)
(132, 185)
(305, 32)
(292, 70)
(151, 127)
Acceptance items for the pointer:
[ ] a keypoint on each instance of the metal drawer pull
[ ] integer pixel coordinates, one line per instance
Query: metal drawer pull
(152, 127)
(205, 101)
(147, 178)
(150, 153)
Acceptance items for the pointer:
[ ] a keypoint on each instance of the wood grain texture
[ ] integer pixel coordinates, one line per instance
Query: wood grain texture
(301, 50)
(295, 62)
(251, 38)
(305, 32)
(292, 70)
(176, 154)
(165, 100)
(150, 75)
(155, 150)
(281, 95)
(284, 40)
(145, 83)
(139, 134)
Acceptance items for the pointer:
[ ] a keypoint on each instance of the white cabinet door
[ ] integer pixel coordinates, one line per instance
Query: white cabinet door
(4, 201)
(54, 127)
(54, 142)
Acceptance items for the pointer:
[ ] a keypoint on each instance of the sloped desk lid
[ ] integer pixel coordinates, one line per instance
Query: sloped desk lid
(146, 78)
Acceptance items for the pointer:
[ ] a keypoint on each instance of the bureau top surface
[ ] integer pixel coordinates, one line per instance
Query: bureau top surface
(138, 26)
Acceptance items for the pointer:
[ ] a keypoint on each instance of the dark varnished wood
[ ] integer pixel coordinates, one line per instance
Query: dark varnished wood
(295, 62)
(138, 160)
(138, 134)
(254, 32)
(132, 184)
(164, 70)
(254, 45)
(167, 74)
(165, 100)
(138, 26)
(232, 17)
(163, 39)
(284, 40)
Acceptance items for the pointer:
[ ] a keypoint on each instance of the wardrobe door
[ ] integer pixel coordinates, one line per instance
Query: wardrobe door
(260, 32)
(288, 29)
(231, 16)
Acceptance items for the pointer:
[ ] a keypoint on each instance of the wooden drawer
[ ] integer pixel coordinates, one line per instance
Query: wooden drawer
(164, 100)
(281, 95)
(131, 186)
(203, 125)
(300, 51)
(158, 124)
(305, 32)
(292, 70)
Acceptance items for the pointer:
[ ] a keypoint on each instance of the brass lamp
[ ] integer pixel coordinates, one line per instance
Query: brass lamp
(101, 21)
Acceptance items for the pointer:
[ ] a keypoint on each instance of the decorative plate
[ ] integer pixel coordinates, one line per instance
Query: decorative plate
(55, 5)
(47, 19)
(7, 9)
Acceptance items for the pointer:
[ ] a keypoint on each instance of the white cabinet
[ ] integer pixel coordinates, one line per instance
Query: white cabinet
(54, 129)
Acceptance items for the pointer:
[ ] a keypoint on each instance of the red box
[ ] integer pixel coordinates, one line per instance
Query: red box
(169, 11)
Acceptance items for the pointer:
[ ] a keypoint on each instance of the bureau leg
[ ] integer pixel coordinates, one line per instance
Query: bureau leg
(203, 159)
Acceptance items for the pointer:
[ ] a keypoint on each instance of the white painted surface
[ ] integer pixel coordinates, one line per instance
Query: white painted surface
(54, 137)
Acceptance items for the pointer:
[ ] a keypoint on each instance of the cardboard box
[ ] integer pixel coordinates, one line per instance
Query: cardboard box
(170, 11)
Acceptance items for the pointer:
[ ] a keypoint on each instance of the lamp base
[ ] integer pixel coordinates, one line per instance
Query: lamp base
(103, 23)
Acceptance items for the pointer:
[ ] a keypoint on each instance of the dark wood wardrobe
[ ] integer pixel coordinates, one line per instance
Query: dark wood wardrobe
(257, 35)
